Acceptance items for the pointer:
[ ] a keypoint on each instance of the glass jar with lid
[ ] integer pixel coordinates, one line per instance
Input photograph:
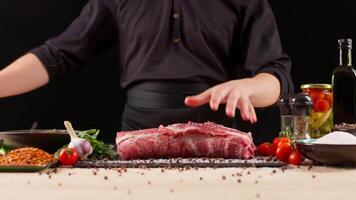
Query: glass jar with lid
(301, 105)
(321, 116)
(286, 116)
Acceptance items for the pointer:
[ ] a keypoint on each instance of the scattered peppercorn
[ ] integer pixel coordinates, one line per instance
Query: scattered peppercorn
(223, 177)
(239, 180)
(105, 177)
(201, 178)
(313, 176)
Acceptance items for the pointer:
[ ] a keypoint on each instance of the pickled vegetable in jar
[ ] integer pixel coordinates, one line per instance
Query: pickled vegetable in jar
(321, 116)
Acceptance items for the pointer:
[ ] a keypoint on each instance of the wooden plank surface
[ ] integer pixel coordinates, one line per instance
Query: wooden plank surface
(204, 183)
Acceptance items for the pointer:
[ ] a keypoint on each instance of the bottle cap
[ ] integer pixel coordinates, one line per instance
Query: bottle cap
(345, 43)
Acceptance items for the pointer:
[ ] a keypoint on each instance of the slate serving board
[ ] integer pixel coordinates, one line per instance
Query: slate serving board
(182, 162)
(27, 168)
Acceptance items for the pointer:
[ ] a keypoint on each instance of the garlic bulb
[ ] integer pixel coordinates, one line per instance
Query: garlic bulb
(83, 147)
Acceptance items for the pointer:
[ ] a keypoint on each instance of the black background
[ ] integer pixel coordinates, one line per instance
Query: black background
(91, 98)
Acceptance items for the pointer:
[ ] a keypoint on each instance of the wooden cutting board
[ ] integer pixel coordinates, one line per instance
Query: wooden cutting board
(182, 162)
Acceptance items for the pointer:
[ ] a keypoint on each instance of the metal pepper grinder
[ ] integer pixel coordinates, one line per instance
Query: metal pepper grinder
(301, 105)
(286, 114)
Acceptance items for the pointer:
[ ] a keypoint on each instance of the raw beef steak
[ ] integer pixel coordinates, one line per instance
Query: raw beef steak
(185, 140)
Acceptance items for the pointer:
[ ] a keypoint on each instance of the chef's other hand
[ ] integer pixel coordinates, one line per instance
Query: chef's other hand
(231, 93)
(245, 94)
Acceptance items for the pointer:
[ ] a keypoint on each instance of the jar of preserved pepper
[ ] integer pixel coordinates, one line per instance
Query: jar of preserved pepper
(321, 116)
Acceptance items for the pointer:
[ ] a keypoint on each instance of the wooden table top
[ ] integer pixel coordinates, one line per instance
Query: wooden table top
(204, 183)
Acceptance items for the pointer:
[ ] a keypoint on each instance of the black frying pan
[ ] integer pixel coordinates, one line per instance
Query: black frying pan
(47, 140)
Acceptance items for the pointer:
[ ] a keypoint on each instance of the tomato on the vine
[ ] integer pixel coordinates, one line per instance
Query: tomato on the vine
(321, 105)
(283, 140)
(273, 147)
(282, 148)
(276, 141)
(263, 149)
(68, 156)
(294, 158)
(283, 151)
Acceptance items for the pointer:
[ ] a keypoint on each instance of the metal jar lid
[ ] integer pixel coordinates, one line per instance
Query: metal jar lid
(316, 86)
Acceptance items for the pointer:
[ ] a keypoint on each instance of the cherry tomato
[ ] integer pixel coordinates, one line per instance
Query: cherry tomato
(68, 156)
(283, 140)
(283, 151)
(321, 105)
(329, 97)
(276, 141)
(263, 149)
(272, 150)
(316, 94)
(294, 158)
(273, 147)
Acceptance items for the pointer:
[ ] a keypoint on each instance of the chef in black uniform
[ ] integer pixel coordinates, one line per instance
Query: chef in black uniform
(178, 59)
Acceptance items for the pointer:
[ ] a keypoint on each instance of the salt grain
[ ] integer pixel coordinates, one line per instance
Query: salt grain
(337, 137)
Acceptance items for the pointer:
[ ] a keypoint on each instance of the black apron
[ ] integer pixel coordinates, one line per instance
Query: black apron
(151, 104)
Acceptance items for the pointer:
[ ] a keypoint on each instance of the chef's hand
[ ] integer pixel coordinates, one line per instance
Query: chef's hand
(245, 94)
(231, 93)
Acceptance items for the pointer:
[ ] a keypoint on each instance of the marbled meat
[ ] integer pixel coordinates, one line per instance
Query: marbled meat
(185, 140)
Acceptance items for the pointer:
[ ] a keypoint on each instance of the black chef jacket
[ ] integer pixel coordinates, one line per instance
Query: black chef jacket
(210, 41)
